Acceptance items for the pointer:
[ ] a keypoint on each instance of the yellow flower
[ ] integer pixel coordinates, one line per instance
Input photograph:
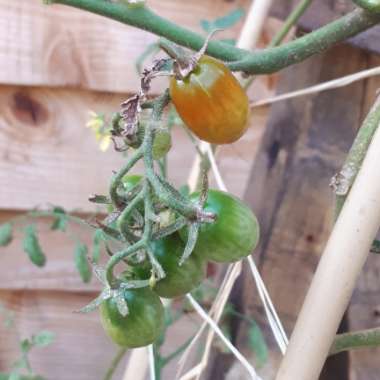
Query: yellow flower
(101, 130)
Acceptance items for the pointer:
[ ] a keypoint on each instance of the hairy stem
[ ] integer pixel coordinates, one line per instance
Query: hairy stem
(355, 340)
(262, 62)
(296, 14)
(274, 59)
(346, 177)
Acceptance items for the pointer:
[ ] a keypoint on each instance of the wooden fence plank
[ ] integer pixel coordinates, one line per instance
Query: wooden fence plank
(324, 11)
(364, 311)
(61, 46)
(305, 143)
(47, 155)
(81, 350)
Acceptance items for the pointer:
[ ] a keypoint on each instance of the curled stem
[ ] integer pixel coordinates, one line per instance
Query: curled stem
(116, 180)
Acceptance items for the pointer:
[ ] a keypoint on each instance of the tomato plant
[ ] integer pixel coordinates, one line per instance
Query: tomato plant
(233, 235)
(179, 280)
(369, 5)
(143, 323)
(211, 102)
(130, 181)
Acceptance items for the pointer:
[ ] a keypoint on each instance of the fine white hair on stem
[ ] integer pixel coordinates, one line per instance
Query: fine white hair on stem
(217, 330)
(336, 83)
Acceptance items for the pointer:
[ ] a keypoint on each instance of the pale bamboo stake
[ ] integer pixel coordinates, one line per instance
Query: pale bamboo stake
(253, 26)
(336, 275)
(137, 365)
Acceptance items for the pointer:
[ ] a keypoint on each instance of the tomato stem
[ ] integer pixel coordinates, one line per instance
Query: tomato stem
(262, 62)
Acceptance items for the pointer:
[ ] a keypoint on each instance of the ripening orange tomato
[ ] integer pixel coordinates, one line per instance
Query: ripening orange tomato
(211, 102)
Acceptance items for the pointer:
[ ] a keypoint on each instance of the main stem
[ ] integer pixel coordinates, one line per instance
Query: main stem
(262, 62)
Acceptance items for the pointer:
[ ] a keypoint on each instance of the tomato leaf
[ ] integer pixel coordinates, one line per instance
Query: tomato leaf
(32, 247)
(224, 22)
(5, 234)
(97, 240)
(43, 338)
(81, 262)
(59, 223)
(257, 344)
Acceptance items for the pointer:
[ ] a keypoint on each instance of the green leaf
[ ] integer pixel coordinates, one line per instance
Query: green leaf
(59, 223)
(43, 338)
(97, 240)
(375, 247)
(14, 376)
(25, 346)
(5, 234)
(224, 22)
(32, 247)
(81, 262)
(184, 190)
(257, 344)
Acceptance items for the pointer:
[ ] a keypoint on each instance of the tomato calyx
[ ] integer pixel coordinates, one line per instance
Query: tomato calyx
(184, 63)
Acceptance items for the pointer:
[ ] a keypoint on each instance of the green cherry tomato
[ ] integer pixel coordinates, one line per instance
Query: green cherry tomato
(129, 181)
(233, 235)
(143, 324)
(179, 280)
(369, 5)
(211, 102)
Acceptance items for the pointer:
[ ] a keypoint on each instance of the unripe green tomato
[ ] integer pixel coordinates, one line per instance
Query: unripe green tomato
(369, 5)
(234, 234)
(141, 326)
(211, 102)
(179, 280)
(162, 143)
(129, 181)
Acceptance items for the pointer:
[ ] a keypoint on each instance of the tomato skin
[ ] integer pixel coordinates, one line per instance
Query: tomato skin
(211, 102)
(233, 235)
(142, 326)
(179, 280)
(129, 181)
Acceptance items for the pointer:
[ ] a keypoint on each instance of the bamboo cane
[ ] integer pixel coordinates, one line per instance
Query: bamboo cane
(336, 275)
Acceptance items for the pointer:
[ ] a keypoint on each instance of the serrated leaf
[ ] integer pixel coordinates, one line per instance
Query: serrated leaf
(25, 346)
(224, 22)
(97, 239)
(5, 234)
(81, 262)
(257, 344)
(32, 247)
(59, 223)
(43, 338)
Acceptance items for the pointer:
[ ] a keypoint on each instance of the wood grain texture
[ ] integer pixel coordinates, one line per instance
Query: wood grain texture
(305, 143)
(324, 11)
(47, 155)
(81, 350)
(62, 46)
(364, 311)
